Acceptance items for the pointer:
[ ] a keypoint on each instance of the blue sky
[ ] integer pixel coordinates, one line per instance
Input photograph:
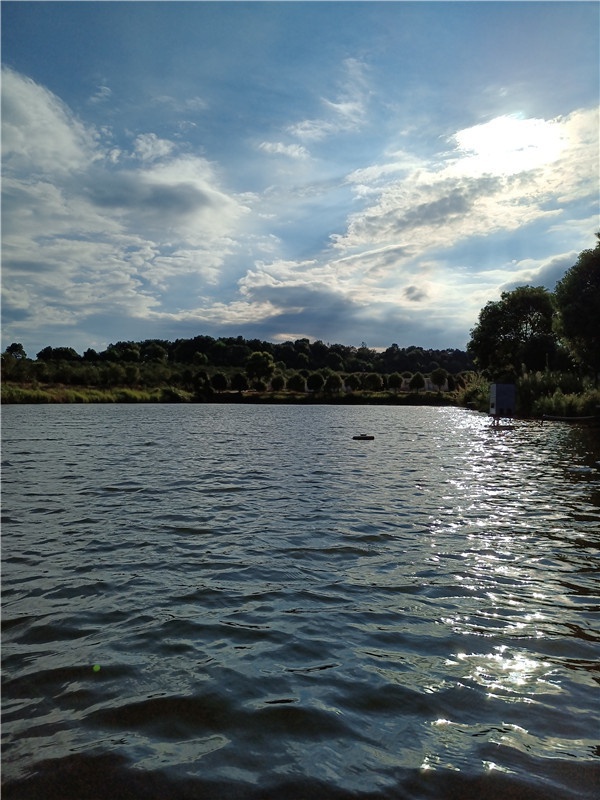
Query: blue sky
(349, 171)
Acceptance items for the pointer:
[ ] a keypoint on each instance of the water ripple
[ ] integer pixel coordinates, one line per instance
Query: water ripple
(212, 601)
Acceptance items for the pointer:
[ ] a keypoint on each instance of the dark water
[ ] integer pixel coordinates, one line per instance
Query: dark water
(243, 602)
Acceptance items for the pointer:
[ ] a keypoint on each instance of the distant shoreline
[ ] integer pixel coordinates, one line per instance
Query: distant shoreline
(581, 408)
(15, 394)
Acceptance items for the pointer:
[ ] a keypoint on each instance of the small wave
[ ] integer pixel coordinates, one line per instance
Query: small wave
(299, 620)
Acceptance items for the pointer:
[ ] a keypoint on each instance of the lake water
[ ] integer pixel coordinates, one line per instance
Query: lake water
(224, 601)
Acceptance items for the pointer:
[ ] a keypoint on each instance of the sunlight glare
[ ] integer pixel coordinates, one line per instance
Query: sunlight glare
(507, 145)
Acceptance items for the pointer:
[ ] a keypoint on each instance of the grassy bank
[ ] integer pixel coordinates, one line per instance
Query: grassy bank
(586, 404)
(475, 395)
(15, 393)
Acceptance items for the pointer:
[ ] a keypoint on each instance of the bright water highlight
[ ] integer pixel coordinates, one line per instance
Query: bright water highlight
(216, 601)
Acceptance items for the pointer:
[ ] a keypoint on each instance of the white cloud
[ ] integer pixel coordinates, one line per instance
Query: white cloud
(502, 176)
(278, 148)
(395, 254)
(282, 272)
(313, 129)
(366, 180)
(348, 112)
(534, 272)
(83, 236)
(102, 94)
(202, 263)
(222, 315)
(190, 201)
(90, 230)
(191, 104)
(39, 133)
(195, 104)
(148, 147)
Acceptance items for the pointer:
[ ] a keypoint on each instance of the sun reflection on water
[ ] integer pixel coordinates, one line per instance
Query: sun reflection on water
(504, 540)
(508, 673)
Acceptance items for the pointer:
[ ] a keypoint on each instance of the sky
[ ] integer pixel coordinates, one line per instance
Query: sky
(354, 172)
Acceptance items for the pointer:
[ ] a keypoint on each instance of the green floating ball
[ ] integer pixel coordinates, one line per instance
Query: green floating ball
(96, 667)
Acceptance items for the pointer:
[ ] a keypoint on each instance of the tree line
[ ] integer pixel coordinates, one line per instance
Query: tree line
(203, 364)
(235, 352)
(548, 343)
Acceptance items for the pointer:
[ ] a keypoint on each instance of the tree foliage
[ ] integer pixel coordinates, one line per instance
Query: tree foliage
(260, 365)
(183, 358)
(239, 382)
(546, 341)
(16, 350)
(515, 331)
(277, 382)
(58, 354)
(417, 382)
(334, 383)
(578, 309)
(372, 382)
(296, 383)
(219, 382)
(314, 382)
(439, 377)
(395, 381)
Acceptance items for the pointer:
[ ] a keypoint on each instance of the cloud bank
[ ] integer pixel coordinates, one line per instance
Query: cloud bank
(149, 238)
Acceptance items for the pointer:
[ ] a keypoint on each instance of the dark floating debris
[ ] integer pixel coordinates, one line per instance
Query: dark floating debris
(363, 437)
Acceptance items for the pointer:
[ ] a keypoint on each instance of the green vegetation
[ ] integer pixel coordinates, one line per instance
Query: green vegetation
(577, 322)
(417, 382)
(585, 404)
(225, 370)
(515, 333)
(12, 393)
(547, 343)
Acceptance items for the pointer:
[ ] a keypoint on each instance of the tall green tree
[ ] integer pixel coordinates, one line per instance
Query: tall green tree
(335, 362)
(58, 354)
(515, 331)
(353, 381)
(219, 382)
(132, 374)
(577, 298)
(124, 352)
(334, 383)
(395, 381)
(277, 382)
(314, 382)
(372, 382)
(16, 350)
(296, 383)
(260, 365)
(417, 382)
(439, 377)
(239, 382)
(153, 352)
(91, 355)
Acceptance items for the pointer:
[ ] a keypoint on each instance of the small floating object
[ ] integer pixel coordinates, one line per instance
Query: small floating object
(363, 437)
(581, 470)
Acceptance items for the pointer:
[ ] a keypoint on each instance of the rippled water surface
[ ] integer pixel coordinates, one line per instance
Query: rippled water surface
(243, 602)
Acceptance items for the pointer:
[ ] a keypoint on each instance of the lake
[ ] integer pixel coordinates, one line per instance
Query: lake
(225, 601)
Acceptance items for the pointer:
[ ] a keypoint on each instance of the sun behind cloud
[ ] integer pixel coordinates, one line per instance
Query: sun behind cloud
(348, 170)
(507, 145)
